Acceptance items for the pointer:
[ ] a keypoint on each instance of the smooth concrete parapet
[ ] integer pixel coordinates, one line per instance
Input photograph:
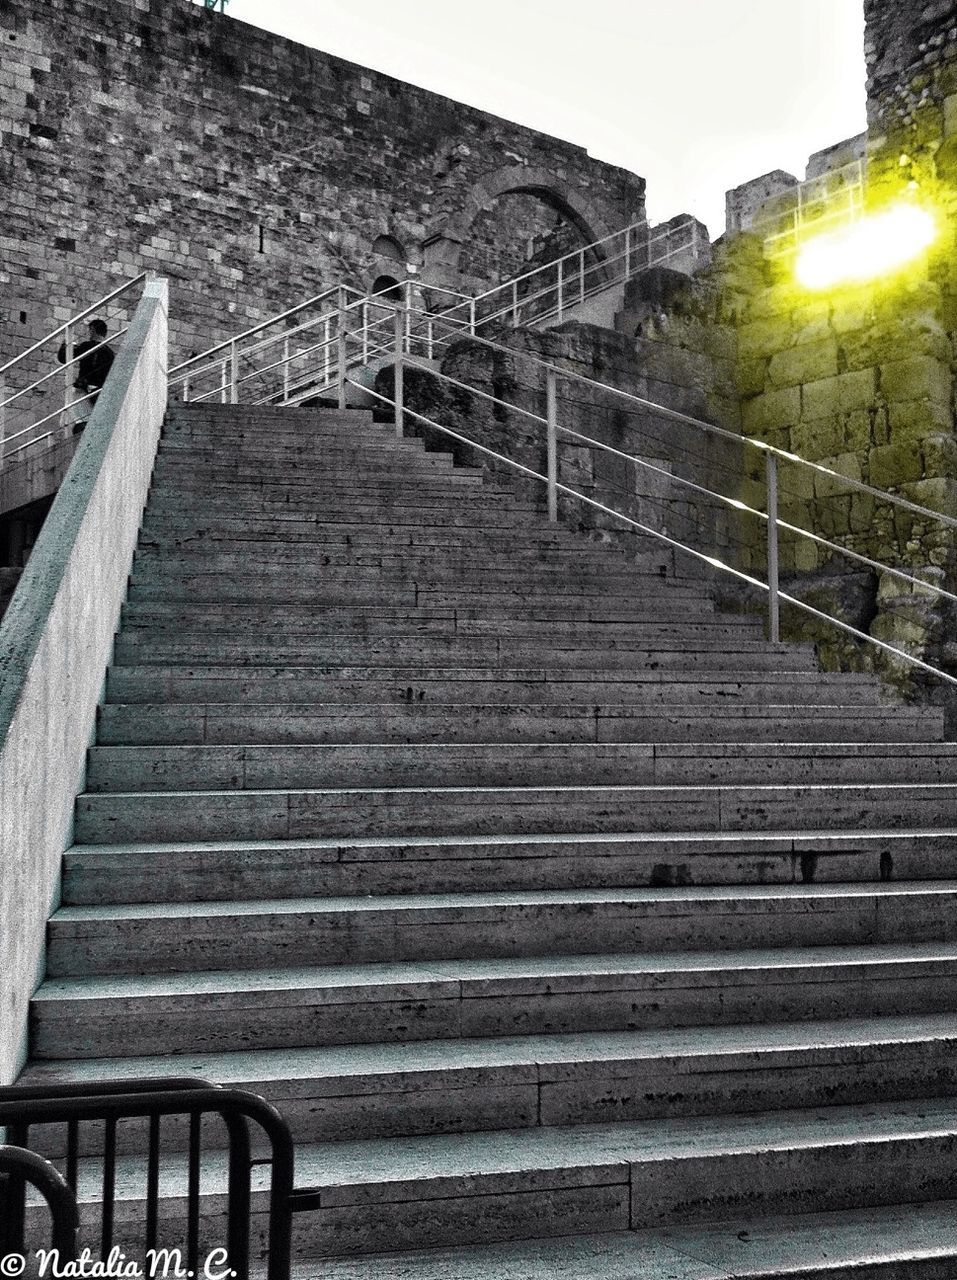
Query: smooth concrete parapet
(55, 642)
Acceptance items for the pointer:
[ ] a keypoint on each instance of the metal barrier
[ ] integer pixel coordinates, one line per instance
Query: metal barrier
(19, 431)
(20, 1168)
(109, 1105)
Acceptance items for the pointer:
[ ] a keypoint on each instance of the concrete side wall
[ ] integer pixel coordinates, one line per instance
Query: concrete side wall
(55, 643)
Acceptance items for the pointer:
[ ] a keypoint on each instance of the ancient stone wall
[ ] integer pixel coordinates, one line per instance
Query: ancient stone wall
(251, 171)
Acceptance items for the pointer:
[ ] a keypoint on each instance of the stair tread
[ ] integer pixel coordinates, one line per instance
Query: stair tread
(767, 1248)
(537, 1053)
(502, 974)
(678, 895)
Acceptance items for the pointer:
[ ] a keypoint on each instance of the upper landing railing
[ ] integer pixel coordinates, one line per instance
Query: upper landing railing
(297, 353)
(813, 205)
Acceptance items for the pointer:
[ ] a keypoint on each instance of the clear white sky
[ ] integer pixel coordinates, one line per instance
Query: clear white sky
(694, 95)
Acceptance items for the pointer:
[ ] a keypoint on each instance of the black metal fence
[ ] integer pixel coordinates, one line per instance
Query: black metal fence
(91, 1116)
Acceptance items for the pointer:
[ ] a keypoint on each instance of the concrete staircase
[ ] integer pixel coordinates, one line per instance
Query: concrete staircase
(578, 931)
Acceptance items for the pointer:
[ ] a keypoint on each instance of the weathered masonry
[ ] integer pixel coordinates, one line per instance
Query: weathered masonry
(252, 171)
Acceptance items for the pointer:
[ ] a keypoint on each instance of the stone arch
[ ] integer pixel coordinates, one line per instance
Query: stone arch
(443, 247)
(390, 249)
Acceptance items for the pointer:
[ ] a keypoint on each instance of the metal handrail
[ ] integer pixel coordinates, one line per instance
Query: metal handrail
(676, 415)
(771, 587)
(74, 320)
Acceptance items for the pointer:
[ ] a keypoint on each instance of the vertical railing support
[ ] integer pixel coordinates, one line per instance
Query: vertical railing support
(3, 420)
(408, 316)
(627, 253)
(326, 354)
(551, 417)
(285, 371)
(69, 377)
(561, 289)
(472, 317)
(774, 614)
(341, 346)
(581, 276)
(514, 302)
(365, 332)
(224, 382)
(233, 373)
(399, 366)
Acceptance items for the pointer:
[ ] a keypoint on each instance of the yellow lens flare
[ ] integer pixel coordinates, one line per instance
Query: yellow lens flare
(876, 245)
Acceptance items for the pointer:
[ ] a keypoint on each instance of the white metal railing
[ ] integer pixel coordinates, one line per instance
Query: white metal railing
(403, 356)
(297, 354)
(21, 430)
(836, 196)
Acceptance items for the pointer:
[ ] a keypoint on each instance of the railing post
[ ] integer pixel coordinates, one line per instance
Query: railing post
(233, 373)
(581, 276)
(514, 302)
(399, 394)
(365, 332)
(285, 371)
(551, 415)
(774, 616)
(3, 420)
(326, 353)
(561, 289)
(472, 317)
(224, 382)
(341, 346)
(69, 376)
(186, 391)
(627, 252)
(408, 316)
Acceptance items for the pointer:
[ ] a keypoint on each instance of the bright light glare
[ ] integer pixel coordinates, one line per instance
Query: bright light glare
(876, 245)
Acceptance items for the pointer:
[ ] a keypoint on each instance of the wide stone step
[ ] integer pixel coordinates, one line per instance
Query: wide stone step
(245, 767)
(164, 632)
(264, 934)
(578, 623)
(187, 871)
(415, 1193)
(350, 1092)
(482, 509)
(915, 1241)
(134, 717)
(295, 679)
(588, 579)
(225, 1011)
(292, 529)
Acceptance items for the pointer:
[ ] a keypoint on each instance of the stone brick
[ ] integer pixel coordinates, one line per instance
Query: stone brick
(840, 394)
(809, 363)
(891, 465)
(916, 378)
(772, 410)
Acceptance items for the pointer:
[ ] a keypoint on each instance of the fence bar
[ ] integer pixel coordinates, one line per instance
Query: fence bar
(561, 289)
(285, 371)
(399, 321)
(774, 608)
(233, 373)
(3, 421)
(551, 415)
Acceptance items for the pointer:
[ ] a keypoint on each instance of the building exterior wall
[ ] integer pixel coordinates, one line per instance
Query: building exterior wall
(249, 170)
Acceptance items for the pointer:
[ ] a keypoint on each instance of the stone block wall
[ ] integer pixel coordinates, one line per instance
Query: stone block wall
(249, 170)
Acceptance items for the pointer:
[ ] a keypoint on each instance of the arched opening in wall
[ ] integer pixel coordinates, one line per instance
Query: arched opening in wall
(517, 232)
(389, 248)
(389, 287)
